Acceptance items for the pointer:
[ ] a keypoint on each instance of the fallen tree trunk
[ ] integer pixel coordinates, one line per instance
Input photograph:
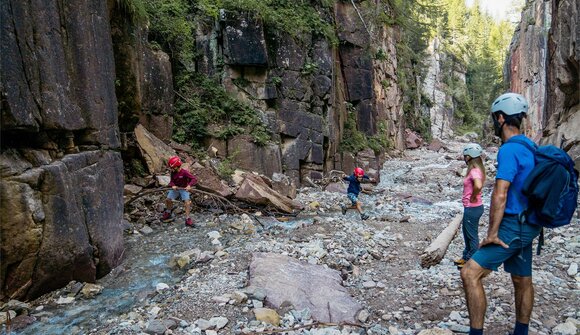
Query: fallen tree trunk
(434, 253)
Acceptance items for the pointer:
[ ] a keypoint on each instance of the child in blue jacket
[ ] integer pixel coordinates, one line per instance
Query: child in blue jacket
(354, 188)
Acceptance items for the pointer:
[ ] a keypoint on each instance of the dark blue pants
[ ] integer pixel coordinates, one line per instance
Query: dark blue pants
(471, 216)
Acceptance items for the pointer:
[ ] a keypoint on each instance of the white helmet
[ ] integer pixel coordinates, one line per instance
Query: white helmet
(510, 104)
(472, 150)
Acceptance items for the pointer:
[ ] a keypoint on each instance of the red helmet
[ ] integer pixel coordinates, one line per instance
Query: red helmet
(358, 172)
(174, 162)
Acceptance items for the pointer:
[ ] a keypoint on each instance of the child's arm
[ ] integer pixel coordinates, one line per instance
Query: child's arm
(192, 180)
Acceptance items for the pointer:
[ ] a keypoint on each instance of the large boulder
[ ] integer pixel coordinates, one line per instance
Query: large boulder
(303, 285)
(249, 156)
(61, 222)
(155, 152)
(209, 181)
(255, 190)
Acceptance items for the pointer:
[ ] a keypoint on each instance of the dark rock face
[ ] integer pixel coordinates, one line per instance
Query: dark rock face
(244, 41)
(146, 95)
(58, 74)
(61, 184)
(563, 94)
(526, 64)
(251, 157)
(544, 67)
(303, 86)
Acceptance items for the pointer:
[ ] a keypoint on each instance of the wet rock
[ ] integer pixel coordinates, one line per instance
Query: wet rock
(304, 286)
(65, 300)
(129, 189)
(567, 328)
(155, 327)
(91, 290)
(267, 315)
(22, 321)
(146, 230)
(435, 331)
(363, 316)
(218, 322)
(203, 324)
(161, 287)
(4, 315)
(184, 258)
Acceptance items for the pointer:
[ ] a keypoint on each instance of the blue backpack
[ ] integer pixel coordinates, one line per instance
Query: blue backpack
(551, 187)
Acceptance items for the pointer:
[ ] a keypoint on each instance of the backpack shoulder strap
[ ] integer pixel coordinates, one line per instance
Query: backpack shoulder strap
(524, 143)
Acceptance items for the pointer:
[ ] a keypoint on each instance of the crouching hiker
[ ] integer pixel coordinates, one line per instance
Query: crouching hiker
(354, 189)
(181, 183)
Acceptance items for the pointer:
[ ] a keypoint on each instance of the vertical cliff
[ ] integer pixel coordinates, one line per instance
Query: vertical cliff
(526, 63)
(61, 174)
(306, 89)
(544, 67)
(562, 112)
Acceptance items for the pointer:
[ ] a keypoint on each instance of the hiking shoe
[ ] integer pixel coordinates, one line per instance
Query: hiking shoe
(459, 262)
(363, 216)
(189, 222)
(343, 209)
(166, 217)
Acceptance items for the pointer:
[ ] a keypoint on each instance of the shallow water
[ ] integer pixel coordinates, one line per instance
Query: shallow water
(123, 288)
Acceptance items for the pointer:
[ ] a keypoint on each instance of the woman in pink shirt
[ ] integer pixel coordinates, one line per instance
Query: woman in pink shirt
(472, 205)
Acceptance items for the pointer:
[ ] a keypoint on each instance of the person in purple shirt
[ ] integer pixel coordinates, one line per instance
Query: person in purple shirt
(181, 183)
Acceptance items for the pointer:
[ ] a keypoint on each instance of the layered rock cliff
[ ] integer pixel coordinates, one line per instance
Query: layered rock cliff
(544, 67)
(61, 173)
(305, 89)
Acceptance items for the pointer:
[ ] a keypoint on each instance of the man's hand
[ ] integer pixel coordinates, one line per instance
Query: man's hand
(493, 240)
(188, 188)
(174, 187)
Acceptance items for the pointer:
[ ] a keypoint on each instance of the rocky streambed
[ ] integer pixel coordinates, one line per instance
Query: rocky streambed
(233, 274)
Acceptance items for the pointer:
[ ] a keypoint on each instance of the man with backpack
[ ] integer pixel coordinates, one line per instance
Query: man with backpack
(509, 238)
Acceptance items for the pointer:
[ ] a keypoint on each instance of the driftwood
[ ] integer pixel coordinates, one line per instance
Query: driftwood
(218, 202)
(437, 249)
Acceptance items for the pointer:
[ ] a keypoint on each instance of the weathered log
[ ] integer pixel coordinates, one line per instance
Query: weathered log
(434, 253)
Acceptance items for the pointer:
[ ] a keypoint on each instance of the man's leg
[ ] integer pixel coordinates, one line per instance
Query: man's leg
(471, 275)
(524, 296)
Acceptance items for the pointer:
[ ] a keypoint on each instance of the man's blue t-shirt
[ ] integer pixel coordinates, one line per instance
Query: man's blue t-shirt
(354, 185)
(515, 162)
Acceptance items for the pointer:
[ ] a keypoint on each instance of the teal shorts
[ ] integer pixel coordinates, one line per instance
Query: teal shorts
(353, 198)
(517, 259)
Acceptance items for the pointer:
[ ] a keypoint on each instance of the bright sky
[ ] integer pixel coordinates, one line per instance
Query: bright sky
(499, 9)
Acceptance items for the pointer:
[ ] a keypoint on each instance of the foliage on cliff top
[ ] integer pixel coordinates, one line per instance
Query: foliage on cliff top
(296, 17)
(204, 109)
